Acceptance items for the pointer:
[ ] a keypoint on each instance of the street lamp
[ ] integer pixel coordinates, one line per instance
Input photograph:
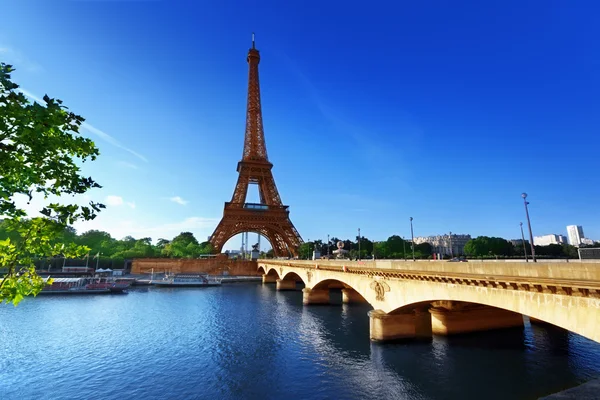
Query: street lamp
(328, 247)
(308, 253)
(374, 242)
(451, 251)
(358, 244)
(412, 238)
(523, 242)
(524, 196)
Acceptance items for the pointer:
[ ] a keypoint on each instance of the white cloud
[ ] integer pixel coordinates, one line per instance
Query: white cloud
(131, 204)
(103, 135)
(114, 200)
(178, 200)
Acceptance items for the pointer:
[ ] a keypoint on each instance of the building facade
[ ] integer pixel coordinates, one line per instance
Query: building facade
(575, 233)
(452, 245)
(546, 240)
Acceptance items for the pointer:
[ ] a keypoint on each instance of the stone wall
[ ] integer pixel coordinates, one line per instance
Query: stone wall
(219, 265)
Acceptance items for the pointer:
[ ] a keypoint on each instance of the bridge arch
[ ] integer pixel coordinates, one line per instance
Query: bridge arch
(273, 272)
(331, 284)
(291, 275)
(568, 312)
(349, 293)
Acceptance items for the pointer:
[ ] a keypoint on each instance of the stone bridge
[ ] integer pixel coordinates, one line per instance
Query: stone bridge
(417, 299)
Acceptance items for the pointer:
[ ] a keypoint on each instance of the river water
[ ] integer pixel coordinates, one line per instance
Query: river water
(248, 341)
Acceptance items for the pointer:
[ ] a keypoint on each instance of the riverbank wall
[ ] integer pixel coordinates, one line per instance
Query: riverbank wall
(219, 265)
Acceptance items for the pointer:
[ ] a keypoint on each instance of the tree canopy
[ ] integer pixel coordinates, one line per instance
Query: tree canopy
(39, 151)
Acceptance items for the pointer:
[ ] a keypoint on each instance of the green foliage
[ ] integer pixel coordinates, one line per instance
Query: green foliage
(424, 250)
(305, 250)
(569, 251)
(488, 246)
(39, 151)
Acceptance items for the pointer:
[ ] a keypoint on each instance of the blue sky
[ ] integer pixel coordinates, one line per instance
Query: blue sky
(374, 112)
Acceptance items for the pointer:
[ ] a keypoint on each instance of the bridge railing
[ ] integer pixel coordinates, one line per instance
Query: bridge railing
(483, 269)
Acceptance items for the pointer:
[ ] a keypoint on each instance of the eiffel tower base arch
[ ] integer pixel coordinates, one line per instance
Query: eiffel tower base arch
(272, 224)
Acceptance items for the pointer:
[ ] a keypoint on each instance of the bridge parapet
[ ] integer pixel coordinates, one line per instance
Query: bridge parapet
(571, 271)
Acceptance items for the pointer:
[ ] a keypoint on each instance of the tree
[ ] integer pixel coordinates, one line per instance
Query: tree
(185, 238)
(304, 250)
(382, 250)
(184, 245)
(161, 243)
(477, 247)
(486, 246)
(206, 248)
(570, 251)
(424, 249)
(366, 246)
(39, 151)
(396, 247)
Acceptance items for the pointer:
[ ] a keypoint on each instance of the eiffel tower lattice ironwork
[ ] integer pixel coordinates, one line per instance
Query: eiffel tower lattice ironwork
(270, 217)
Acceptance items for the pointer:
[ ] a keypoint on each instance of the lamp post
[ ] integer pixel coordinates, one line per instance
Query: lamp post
(358, 244)
(374, 250)
(524, 196)
(328, 247)
(412, 238)
(308, 252)
(523, 242)
(451, 251)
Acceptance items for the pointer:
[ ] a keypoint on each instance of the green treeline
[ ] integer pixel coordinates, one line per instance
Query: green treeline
(106, 251)
(397, 248)
(394, 248)
(484, 246)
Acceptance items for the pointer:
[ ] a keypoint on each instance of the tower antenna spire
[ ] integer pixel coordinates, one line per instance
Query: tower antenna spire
(253, 40)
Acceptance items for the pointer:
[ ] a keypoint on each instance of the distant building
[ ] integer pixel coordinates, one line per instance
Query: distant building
(445, 244)
(546, 240)
(575, 233)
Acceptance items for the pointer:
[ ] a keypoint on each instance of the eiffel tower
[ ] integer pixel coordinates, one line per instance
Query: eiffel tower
(270, 217)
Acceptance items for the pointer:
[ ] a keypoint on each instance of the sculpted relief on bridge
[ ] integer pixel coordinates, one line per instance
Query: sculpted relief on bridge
(417, 299)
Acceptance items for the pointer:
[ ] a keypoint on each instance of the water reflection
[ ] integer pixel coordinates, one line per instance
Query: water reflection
(250, 341)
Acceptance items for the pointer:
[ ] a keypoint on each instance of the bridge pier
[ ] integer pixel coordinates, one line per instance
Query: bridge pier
(352, 296)
(269, 278)
(411, 324)
(315, 296)
(286, 285)
(451, 317)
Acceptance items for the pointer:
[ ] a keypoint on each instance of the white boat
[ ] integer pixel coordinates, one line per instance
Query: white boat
(187, 280)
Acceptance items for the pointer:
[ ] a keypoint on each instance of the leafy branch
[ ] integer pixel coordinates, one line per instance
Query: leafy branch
(39, 148)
